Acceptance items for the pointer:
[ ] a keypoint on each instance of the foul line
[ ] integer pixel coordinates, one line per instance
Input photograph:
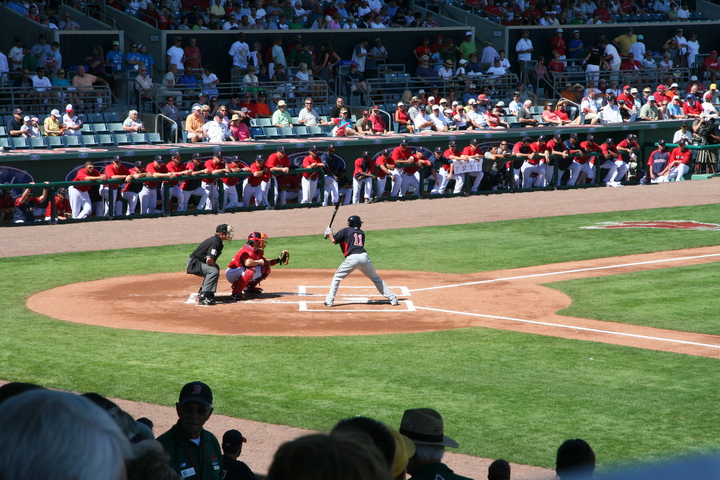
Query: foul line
(565, 272)
(571, 327)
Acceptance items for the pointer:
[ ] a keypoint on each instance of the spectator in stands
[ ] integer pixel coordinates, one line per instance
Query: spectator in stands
(41, 49)
(524, 49)
(649, 110)
(71, 122)
(42, 86)
(575, 45)
(239, 52)
(215, 130)
(379, 127)
(173, 113)
(233, 469)
(402, 119)
(133, 59)
(189, 83)
(15, 55)
(144, 84)
(281, 117)
(188, 438)
(590, 107)
(52, 125)
(694, 82)
(693, 49)
(115, 59)
(354, 81)
(363, 126)
(525, 115)
(14, 125)
(575, 459)
(238, 130)
(210, 81)
(426, 72)
(194, 123)
(29, 128)
(424, 427)
(176, 54)
(309, 117)
(132, 124)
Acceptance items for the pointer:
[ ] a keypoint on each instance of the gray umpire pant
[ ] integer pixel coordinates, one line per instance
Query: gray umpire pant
(211, 274)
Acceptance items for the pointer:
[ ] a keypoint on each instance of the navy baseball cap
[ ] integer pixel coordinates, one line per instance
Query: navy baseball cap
(196, 156)
(609, 140)
(196, 392)
(233, 438)
(386, 152)
(117, 158)
(558, 135)
(573, 135)
(438, 149)
(590, 138)
(281, 148)
(174, 153)
(661, 142)
(473, 141)
(217, 151)
(313, 148)
(259, 157)
(138, 163)
(404, 142)
(541, 138)
(331, 146)
(159, 159)
(452, 143)
(526, 139)
(366, 153)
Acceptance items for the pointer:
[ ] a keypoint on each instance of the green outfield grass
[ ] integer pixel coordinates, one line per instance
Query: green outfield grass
(681, 298)
(503, 394)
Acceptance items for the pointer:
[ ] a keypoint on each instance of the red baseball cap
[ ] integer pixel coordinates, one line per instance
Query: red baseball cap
(714, 52)
(626, 87)
(482, 96)
(661, 87)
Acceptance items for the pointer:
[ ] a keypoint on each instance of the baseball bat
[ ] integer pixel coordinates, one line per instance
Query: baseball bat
(337, 207)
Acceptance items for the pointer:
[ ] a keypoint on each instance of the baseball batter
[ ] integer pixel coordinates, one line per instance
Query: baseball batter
(352, 242)
(249, 266)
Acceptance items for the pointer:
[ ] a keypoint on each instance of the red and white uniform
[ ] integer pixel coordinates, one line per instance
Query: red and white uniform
(229, 185)
(78, 195)
(175, 190)
(474, 152)
(111, 191)
(679, 164)
(556, 146)
(274, 160)
(148, 195)
(309, 179)
(254, 183)
(288, 186)
(62, 208)
(584, 164)
(398, 177)
(459, 178)
(394, 175)
(241, 276)
(617, 168)
(411, 176)
(210, 184)
(534, 169)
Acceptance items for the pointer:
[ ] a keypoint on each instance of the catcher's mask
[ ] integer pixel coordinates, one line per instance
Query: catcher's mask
(226, 229)
(259, 237)
(354, 221)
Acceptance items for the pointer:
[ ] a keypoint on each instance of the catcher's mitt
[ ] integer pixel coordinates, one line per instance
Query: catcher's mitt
(284, 257)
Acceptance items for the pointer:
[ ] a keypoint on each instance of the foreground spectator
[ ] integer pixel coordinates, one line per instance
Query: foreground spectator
(424, 426)
(346, 456)
(575, 459)
(73, 438)
(234, 469)
(189, 445)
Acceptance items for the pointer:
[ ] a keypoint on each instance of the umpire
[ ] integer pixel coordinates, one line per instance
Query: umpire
(203, 263)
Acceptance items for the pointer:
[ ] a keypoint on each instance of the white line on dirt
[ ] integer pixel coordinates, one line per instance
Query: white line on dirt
(570, 327)
(567, 271)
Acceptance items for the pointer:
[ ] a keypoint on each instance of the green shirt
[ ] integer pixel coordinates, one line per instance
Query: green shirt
(433, 470)
(467, 48)
(281, 118)
(203, 462)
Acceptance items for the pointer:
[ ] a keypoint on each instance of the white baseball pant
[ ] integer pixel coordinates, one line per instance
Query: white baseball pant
(308, 190)
(148, 199)
(231, 195)
(346, 194)
(176, 192)
(359, 261)
(528, 169)
(211, 201)
(80, 203)
(363, 185)
(575, 169)
(677, 172)
(439, 187)
(409, 180)
(251, 191)
(397, 179)
(478, 178)
(200, 192)
(331, 190)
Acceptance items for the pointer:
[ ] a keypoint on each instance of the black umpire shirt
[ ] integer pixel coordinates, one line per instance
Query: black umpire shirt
(212, 247)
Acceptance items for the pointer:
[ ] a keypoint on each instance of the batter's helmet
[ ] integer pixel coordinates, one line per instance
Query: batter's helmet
(258, 237)
(354, 221)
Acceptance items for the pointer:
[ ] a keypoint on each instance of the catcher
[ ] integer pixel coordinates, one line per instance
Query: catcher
(249, 267)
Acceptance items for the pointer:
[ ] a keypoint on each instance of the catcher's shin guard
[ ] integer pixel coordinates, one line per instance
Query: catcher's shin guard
(243, 281)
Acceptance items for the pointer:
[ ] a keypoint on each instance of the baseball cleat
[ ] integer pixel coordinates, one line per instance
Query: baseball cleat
(329, 303)
(394, 301)
(207, 301)
(255, 290)
(237, 298)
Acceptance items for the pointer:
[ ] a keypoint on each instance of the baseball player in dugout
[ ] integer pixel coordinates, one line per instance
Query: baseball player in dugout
(424, 426)
(352, 241)
(194, 452)
(249, 266)
(203, 263)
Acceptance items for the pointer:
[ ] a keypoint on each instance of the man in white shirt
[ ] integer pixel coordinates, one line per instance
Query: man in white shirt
(524, 49)
(438, 119)
(308, 116)
(71, 121)
(41, 84)
(612, 57)
(15, 55)
(4, 65)
(423, 122)
(477, 119)
(489, 54)
(239, 52)
(176, 54)
(638, 48)
(360, 54)
(231, 24)
(215, 130)
(590, 106)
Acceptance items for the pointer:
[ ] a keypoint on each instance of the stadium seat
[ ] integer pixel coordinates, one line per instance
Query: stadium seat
(5, 143)
(87, 128)
(111, 117)
(95, 118)
(138, 138)
(54, 142)
(302, 132)
(3, 131)
(315, 131)
(100, 127)
(73, 141)
(272, 133)
(264, 122)
(122, 139)
(89, 141)
(38, 142)
(154, 138)
(287, 132)
(19, 143)
(114, 127)
(258, 133)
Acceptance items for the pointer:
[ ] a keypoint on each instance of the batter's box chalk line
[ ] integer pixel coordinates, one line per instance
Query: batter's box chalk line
(369, 291)
(313, 306)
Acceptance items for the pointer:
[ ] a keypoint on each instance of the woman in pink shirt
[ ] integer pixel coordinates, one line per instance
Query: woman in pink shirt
(238, 130)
